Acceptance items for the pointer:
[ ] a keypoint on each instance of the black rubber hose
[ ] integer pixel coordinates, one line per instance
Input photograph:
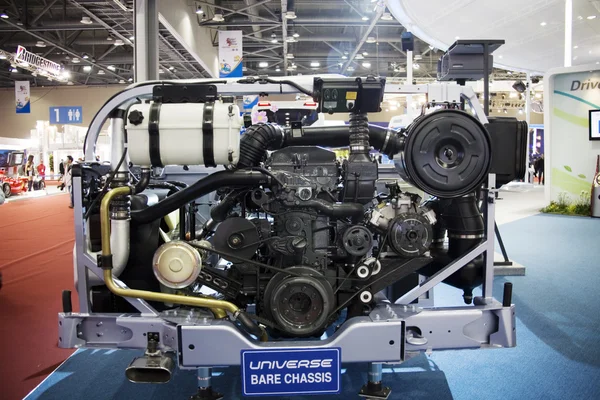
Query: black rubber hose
(164, 185)
(143, 182)
(382, 139)
(202, 187)
(256, 141)
(219, 212)
(341, 210)
(249, 324)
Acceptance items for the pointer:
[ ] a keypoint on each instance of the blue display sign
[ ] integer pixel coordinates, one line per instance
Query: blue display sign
(291, 372)
(66, 115)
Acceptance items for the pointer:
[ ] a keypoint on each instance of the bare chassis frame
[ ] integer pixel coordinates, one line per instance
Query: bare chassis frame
(392, 333)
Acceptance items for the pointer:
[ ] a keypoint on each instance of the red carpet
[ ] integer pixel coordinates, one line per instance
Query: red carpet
(36, 262)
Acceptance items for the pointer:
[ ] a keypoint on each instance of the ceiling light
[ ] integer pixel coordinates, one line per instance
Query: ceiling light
(199, 10)
(418, 57)
(431, 47)
(575, 47)
(119, 42)
(160, 71)
(393, 108)
(130, 80)
(315, 64)
(85, 57)
(101, 72)
(290, 39)
(505, 111)
(4, 15)
(501, 57)
(286, 114)
(344, 57)
(263, 64)
(277, 69)
(65, 74)
(40, 44)
(2, 56)
(359, 56)
(371, 39)
(456, 37)
(111, 67)
(218, 17)
(365, 53)
(538, 95)
(580, 17)
(171, 68)
(290, 15)
(351, 69)
(75, 60)
(513, 95)
(87, 68)
(296, 35)
(70, 83)
(290, 56)
(416, 66)
(509, 72)
(132, 38)
(543, 24)
(366, 64)
(273, 38)
(109, 38)
(386, 16)
(591, 17)
(86, 20)
(365, 18)
(346, 53)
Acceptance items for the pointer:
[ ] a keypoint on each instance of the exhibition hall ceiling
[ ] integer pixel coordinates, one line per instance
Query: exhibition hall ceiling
(534, 30)
(93, 39)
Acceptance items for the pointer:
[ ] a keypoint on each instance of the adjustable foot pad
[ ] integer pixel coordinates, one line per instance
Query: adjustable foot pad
(206, 394)
(375, 391)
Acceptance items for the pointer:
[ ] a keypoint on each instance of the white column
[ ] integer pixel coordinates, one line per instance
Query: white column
(146, 40)
(568, 31)
(409, 81)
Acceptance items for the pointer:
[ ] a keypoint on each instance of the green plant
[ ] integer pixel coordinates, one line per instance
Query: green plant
(563, 205)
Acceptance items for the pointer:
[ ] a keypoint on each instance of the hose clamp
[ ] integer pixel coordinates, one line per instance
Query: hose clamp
(455, 236)
(387, 139)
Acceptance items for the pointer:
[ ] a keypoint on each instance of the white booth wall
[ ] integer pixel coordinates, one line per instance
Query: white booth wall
(570, 157)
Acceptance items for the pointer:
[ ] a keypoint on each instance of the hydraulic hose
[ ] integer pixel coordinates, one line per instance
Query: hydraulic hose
(218, 307)
(202, 187)
(144, 181)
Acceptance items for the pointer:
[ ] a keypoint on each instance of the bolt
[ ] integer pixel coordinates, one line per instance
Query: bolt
(99, 323)
(404, 308)
(377, 317)
(99, 334)
(413, 309)
(123, 331)
(205, 320)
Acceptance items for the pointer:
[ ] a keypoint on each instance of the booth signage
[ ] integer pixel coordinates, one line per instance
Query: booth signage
(66, 115)
(276, 372)
(230, 54)
(22, 97)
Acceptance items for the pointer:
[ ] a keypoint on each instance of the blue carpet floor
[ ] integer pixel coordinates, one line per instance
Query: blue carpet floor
(558, 330)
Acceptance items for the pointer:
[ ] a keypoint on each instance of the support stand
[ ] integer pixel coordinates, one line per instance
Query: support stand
(506, 261)
(374, 389)
(205, 390)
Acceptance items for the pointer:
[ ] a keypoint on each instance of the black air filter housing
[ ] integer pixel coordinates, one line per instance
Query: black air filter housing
(509, 148)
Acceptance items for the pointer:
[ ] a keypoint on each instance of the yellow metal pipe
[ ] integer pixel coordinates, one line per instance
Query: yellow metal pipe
(218, 307)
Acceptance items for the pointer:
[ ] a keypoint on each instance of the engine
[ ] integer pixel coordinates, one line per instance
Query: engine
(298, 254)
(298, 239)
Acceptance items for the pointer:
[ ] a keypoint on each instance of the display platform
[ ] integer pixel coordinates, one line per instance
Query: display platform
(557, 355)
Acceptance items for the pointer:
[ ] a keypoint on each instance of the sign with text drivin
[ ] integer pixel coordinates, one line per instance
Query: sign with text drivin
(66, 115)
(291, 372)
